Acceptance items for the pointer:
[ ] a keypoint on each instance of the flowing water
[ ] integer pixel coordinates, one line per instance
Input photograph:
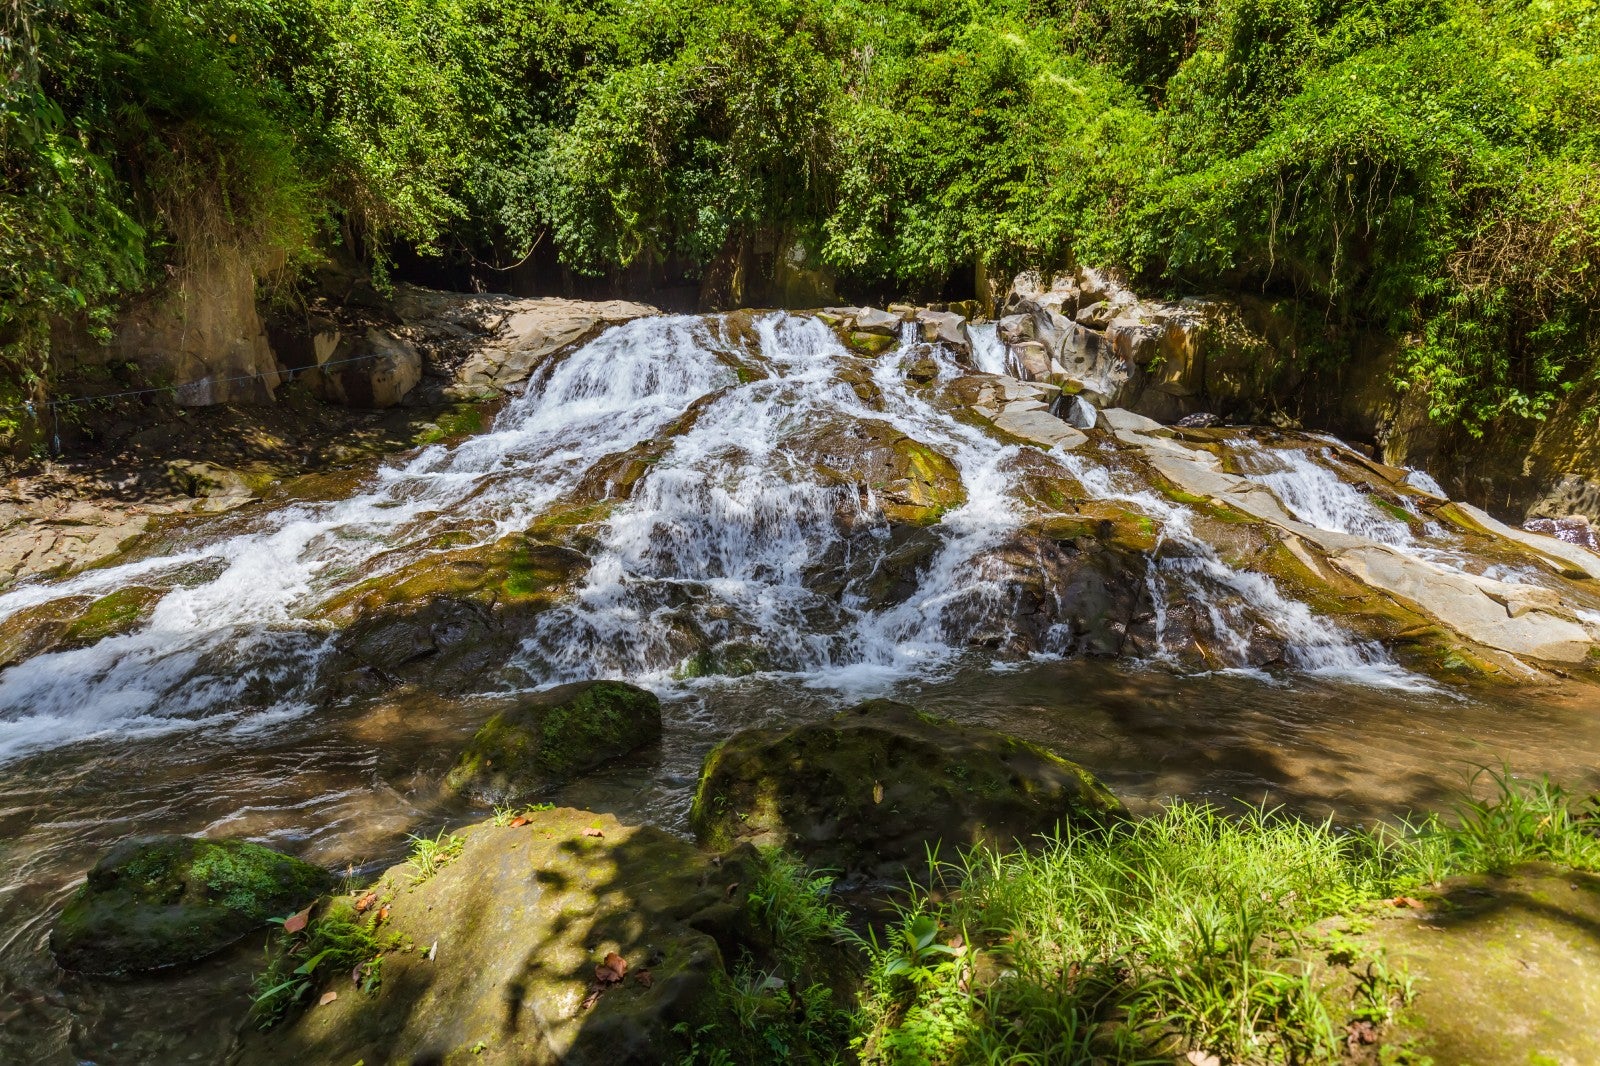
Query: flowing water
(753, 547)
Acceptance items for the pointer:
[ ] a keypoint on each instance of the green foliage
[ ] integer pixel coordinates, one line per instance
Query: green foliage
(429, 855)
(790, 1012)
(1520, 821)
(1422, 167)
(338, 942)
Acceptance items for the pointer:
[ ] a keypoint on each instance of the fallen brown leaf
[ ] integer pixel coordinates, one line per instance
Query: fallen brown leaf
(296, 922)
(1407, 901)
(1203, 1058)
(731, 890)
(645, 978)
(594, 994)
(383, 915)
(366, 901)
(612, 970)
(519, 821)
(593, 833)
(327, 998)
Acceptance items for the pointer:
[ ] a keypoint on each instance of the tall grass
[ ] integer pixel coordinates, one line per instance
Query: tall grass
(1178, 933)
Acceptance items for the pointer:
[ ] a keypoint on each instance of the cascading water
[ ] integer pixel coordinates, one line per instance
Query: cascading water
(735, 516)
(1317, 496)
(230, 644)
(1235, 600)
(719, 545)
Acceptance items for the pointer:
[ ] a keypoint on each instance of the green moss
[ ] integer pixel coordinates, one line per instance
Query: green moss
(606, 715)
(113, 614)
(554, 735)
(869, 343)
(157, 903)
(462, 420)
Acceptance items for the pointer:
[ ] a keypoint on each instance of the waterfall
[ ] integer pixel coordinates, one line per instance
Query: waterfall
(1318, 497)
(990, 354)
(738, 538)
(1233, 599)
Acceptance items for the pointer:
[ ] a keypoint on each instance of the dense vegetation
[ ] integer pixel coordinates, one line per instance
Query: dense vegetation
(1430, 168)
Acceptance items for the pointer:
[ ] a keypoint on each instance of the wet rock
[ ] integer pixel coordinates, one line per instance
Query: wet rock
(1573, 529)
(946, 328)
(151, 904)
(868, 790)
(910, 481)
(449, 618)
(552, 735)
(1038, 426)
(499, 951)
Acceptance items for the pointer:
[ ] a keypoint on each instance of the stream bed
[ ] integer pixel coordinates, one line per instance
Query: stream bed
(770, 527)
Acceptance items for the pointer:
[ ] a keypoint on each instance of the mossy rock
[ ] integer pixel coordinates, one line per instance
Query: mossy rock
(151, 904)
(498, 953)
(556, 734)
(911, 482)
(869, 790)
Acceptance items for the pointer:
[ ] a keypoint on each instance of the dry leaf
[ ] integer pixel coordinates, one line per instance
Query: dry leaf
(612, 970)
(327, 998)
(645, 978)
(296, 922)
(366, 901)
(594, 994)
(731, 890)
(1203, 1058)
(593, 833)
(877, 792)
(519, 821)
(383, 915)
(1407, 901)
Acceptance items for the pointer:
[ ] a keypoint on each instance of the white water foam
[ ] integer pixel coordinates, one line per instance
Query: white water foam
(717, 546)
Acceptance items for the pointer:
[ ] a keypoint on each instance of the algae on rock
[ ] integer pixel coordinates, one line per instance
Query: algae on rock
(867, 791)
(553, 735)
(150, 904)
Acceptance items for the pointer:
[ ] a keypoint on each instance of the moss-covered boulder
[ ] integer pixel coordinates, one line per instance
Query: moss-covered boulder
(555, 734)
(150, 904)
(495, 958)
(868, 790)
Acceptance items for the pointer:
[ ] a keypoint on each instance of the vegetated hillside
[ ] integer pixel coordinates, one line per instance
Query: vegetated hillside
(1426, 167)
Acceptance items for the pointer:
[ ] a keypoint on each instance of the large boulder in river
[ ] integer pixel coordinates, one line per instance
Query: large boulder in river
(555, 734)
(497, 958)
(150, 904)
(867, 791)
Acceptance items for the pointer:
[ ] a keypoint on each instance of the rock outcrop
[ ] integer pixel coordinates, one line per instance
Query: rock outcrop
(869, 790)
(151, 904)
(488, 343)
(1523, 620)
(496, 958)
